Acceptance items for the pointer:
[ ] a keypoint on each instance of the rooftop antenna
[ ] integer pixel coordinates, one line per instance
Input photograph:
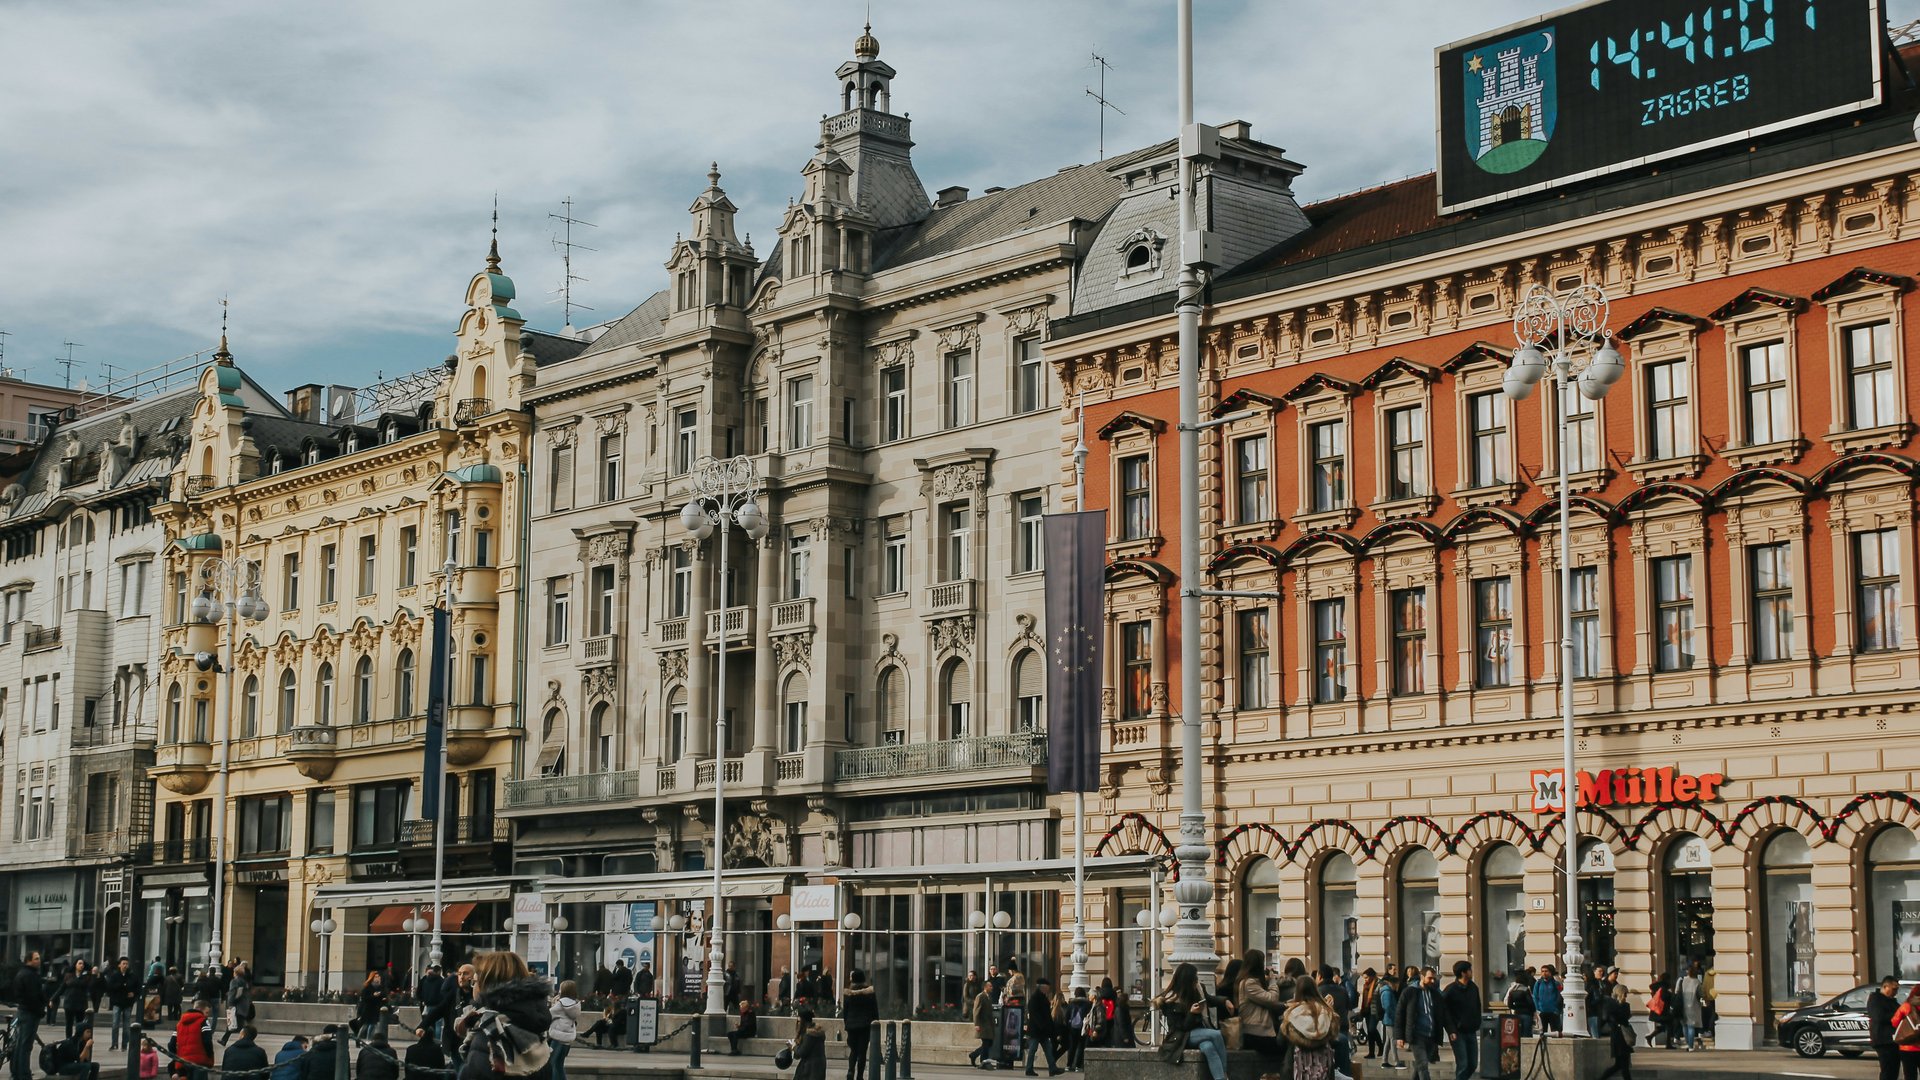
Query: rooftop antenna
(565, 245)
(1101, 97)
(66, 364)
(4, 335)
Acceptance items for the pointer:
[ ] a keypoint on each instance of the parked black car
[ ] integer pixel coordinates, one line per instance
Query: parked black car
(1840, 1024)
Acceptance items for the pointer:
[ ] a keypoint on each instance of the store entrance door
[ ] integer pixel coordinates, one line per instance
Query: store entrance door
(269, 957)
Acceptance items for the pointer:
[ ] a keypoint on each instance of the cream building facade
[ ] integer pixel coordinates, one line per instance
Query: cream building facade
(353, 506)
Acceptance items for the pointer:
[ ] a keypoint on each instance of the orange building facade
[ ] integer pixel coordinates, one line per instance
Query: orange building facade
(1743, 594)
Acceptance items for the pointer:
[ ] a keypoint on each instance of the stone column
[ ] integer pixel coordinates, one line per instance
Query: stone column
(766, 671)
(1370, 905)
(699, 663)
(1453, 905)
(1839, 923)
(1737, 930)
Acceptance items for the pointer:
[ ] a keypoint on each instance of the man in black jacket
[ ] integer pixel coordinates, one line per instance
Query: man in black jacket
(424, 1057)
(244, 1056)
(1463, 1006)
(436, 998)
(318, 1064)
(1881, 1006)
(1421, 1020)
(123, 987)
(30, 1003)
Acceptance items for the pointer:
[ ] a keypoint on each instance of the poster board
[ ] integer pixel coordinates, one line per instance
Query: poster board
(646, 1021)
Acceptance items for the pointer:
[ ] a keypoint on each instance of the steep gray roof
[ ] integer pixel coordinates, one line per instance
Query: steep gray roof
(159, 434)
(640, 324)
(551, 348)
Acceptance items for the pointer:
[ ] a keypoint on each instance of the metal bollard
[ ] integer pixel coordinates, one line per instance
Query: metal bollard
(906, 1050)
(874, 1037)
(893, 1053)
(693, 1043)
(133, 1051)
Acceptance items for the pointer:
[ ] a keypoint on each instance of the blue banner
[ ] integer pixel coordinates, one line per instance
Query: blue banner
(436, 717)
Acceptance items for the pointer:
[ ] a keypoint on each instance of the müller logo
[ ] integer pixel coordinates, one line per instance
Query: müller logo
(1625, 787)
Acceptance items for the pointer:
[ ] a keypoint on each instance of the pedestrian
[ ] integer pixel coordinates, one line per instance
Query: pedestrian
(1079, 1007)
(997, 979)
(1660, 1010)
(1259, 1008)
(980, 1057)
(1520, 1002)
(289, 1062)
(239, 999)
(1039, 1027)
(1422, 1022)
(1311, 1027)
(122, 990)
(1881, 1005)
(1906, 1034)
(1119, 1015)
(424, 1059)
(436, 999)
(643, 980)
(1367, 1004)
(747, 1028)
(563, 1026)
(1548, 1003)
(30, 1004)
(1015, 988)
(1390, 990)
(622, 978)
(506, 1030)
(1463, 1008)
(244, 1056)
(603, 979)
(192, 1043)
(372, 1003)
(172, 992)
(74, 1055)
(457, 1008)
(376, 1060)
(76, 993)
(733, 984)
(318, 1062)
(861, 1009)
(1691, 1005)
(1340, 1000)
(1191, 1015)
(809, 1047)
(150, 1060)
(1616, 1023)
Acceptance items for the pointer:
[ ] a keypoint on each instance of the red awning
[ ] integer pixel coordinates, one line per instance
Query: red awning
(393, 919)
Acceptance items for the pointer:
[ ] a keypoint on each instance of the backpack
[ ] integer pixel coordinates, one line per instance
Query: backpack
(53, 1055)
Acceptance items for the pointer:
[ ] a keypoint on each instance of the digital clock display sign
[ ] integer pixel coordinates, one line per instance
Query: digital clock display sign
(1618, 83)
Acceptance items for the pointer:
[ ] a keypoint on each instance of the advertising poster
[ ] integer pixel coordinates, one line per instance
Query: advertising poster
(539, 949)
(1906, 936)
(1800, 947)
(629, 934)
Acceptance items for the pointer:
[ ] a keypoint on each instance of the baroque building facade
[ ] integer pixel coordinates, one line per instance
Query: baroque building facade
(1743, 579)
(885, 369)
(360, 512)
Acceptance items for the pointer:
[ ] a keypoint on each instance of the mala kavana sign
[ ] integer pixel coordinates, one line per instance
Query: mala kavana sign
(1625, 787)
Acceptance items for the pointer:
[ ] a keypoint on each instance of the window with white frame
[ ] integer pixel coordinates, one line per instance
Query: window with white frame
(610, 450)
(1583, 430)
(1584, 606)
(1673, 613)
(794, 713)
(1493, 632)
(800, 412)
(559, 602)
(409, 555)
(1329, 650)
(798, 565)
(1029, 376)
(686, 440)
(1254, 644)
(600, 600)
(895, 405)
(363, 690)
(1327, 468)
(369, 566)
(679, 582)
(133, 588)
(893, 706)
(1876, 590)
(959, 392)
(1136, 669)
(1491, 459)
(1409, 640)
(289, 700)
(1767, 407)
(1029, 545)
(323, 694)
(1770, 570)
(1669, 411)
(1136, 497)
(956, 541)
(560, 477)
(677, 717)
(289, 584)
(329, 571)
(1029, 691)
(1252, 477)
(1872, 399)
(403, 673)
(1406, 452)
(957, 700)
(893, 563)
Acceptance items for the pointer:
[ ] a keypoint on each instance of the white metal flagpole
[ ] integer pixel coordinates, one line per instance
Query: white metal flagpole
(1080, 980)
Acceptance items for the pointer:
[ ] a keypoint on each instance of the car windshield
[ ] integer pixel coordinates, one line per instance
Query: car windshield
(1855, 999)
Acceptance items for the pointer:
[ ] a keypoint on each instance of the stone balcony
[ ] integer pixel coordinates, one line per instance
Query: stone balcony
(949, 597)
(602, 650)
(792, 615)
(573, 792)
(183, 767)
(1021, 752)
(312, 748)
(739, 626)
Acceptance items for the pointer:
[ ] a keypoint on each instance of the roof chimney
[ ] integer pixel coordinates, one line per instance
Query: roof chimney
(950, 196)
(1237, 129)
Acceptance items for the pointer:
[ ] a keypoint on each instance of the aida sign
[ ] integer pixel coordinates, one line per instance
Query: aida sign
(1625, 787)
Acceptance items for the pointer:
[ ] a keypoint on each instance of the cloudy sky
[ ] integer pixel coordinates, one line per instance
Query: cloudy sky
(331, 167)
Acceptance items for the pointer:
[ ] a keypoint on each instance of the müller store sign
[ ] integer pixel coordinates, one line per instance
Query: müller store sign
(1625, 787)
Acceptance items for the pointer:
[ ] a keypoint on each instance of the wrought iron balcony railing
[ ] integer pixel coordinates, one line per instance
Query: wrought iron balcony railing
(1023, 750)
(467, 410)
(584, 790)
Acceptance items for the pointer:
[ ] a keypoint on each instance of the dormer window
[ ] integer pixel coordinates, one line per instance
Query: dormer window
(273, 463)
(313, 455)
(1140, 256)
(391, 433)
(353, 442)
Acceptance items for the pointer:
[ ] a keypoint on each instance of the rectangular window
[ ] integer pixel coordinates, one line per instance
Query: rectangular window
(559, 599)
(610, 447)
(959, 403)
(1407, 452)
(686, 440)
(1409, 641)
(1771, 567)
(1329, 651)
(1584, 605)
(676, 732)
(409, 556)
(956, 547)
(680, 585)
(1492, 464)
(320, 823)
(560, 477)
(1769, 412)
(1252, 473)
(1583, 431)
(1136, 669)
(329, 572)
(378, 810)
(480, 687)
(1876, 589)
(1136, 498)
(483, 547)
(133, 588)
(1669, 417)
(1255, 647)
(1029, 539)
(600, 587)
(1493, 632)
(450, 529)
(894, 563)
(1673, 613)
(1329, 465)
(800, 412)
(1871, 401)
(893, 411)
(369, 566)
(757, 425)
(1029, 376)
(796, 723)
(797, 566)
(266, 825)
(289, 585)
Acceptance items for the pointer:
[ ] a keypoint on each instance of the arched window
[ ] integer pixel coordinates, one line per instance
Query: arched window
(1893, 884)
(1596, 901)
(602, 736)
(323, 694)
(1786, 883)
(479, 381)
(1503, 919)
(1139, 257)
(1260, 903)
(1029, 692)
(1688, 895)
(793, 710)
(893, 707)
(289, 700)
(956, 700)
(1339, 925)
(363, 690)
(676, 723)
(553, 745)
(175, 702)
(1418, 915)
(403, 684)
(250, 707)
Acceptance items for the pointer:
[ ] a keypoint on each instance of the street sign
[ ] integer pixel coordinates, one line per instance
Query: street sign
(814, 903)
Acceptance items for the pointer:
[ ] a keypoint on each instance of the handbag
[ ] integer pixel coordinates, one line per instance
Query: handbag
(1230, 1031)
(1908, 1027)
(783, 1059)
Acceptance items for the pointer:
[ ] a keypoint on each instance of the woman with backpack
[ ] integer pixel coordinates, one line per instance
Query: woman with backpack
(1520, 1002)
(1616, 1023)
(1388, 1003)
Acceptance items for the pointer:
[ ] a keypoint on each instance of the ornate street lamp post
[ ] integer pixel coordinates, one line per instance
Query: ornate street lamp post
(723, 493)
(1564, 337)
(233, 586)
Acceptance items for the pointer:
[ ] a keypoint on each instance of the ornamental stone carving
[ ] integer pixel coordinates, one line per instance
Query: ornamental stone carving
(953, 634)
(600, 684)
(563, 434)
(889, 651)
(607, 547)
(950, 481)
(1029, 320)
(794, 650)
(894, 354)
(611, 423)
(960, 336)
(673, 666)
